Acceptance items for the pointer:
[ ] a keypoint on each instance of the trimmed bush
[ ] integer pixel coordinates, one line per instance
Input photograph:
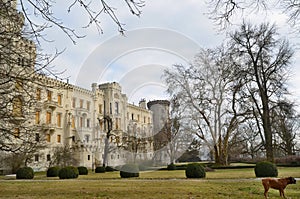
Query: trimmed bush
(129, 171)
(82, 170)
(68, 172)
(53, 171)
(100, 170)
(25, 173)
(265, 169)
(143, 167)
(195, 170)
(171, 167)
(109, 169)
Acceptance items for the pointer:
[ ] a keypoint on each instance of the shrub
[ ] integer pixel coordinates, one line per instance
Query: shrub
(195, 170)
(25, 173)
(82, 170)
(129, 171)
(68, 172)
(100, 170)
(109, 169)
(265, 169)
(143, 167)
(53, 171)
(171, 166)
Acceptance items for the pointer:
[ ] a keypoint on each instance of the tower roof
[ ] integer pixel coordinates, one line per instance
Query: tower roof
(158, 102)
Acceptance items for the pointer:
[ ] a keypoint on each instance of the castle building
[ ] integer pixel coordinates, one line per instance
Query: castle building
(97, 126)
(72, 116)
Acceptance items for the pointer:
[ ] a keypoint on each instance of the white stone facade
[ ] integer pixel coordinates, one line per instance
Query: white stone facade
(72, 116)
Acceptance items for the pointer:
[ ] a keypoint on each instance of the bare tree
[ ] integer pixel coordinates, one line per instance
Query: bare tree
(63, 156)
(224, 11)
(246, 142)
(179, 138)
(262, 63)
(208, 93)
(285, 128)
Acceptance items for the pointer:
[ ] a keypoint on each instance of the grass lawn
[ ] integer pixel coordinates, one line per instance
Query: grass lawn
(233, 183)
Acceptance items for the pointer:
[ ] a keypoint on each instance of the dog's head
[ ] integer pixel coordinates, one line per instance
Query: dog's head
(292, 180)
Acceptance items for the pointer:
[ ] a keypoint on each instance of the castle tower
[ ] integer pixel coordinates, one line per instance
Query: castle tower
(161, 128)
(160, 109)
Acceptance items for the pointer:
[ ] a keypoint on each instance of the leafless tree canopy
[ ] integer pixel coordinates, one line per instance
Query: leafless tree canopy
(39, 15)
(262, 62)
(243, 81)
(223, 11)
(207, 94)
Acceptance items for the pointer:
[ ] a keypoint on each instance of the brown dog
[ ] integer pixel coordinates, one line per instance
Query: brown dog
(277, 183)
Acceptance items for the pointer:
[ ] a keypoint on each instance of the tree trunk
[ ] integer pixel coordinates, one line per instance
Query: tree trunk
(217, 155)
(267, 132)
(106, 148)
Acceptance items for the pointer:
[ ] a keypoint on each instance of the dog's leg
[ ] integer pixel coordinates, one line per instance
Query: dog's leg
(266, 191)
(266, 187)
(281, 191)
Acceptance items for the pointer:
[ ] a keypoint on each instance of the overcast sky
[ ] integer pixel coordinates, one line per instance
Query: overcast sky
(168, 32)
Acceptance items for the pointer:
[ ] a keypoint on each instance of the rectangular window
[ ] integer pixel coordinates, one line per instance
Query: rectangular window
(116, 108)
(17, 133)
(73, 122)
(48, 118)
(58, 118)
(88, 123)
(144, 119)
(17, 107)
(59, 98)
(87, 138)
(89, 157)
(36, 158)
(132, 116)
(49, 95)
(100, 108)
(110, 108)
(138, 117)
(81, 103)
(48, 138)
(48, 157)
(81, 122)
(88, 105)
(58, 138)
(38, 94)
(117, 123)
(74, 102)
(37, 137)
(101, 125)
(37, 117)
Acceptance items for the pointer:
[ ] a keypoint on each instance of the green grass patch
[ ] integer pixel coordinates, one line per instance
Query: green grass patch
(223, 183)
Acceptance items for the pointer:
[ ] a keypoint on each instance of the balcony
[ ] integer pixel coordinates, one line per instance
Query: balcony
(48, 126)
(50, 104)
